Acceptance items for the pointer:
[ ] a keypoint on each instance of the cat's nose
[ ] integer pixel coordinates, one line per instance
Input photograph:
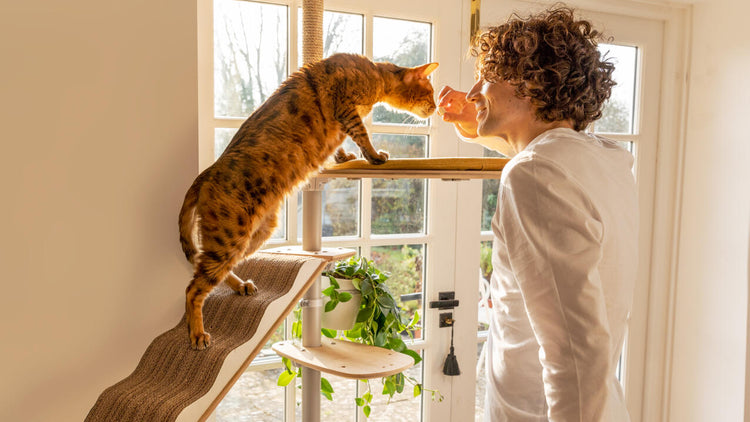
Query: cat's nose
(429, 110)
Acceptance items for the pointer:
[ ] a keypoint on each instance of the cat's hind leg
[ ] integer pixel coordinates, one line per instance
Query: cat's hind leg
(260, 235)
(195, 294)
(212, 266)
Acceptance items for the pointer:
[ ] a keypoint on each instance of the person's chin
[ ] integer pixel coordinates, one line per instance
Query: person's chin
(482, 130)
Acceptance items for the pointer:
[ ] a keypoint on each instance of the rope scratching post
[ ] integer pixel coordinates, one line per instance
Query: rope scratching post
(312, 234)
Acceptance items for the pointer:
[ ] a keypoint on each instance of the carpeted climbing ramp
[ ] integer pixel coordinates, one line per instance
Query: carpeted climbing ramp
(173, 382)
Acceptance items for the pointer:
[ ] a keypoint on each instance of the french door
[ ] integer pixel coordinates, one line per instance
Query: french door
(631, 116)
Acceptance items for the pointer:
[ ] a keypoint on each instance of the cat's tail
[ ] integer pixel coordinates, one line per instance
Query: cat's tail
(187, 220)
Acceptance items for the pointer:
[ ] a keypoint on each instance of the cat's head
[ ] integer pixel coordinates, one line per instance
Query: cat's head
(410, 89)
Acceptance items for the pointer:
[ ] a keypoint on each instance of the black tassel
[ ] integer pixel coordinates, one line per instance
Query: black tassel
(450, 367)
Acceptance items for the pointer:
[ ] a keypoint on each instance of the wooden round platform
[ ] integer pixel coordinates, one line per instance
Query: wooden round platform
(345, 359)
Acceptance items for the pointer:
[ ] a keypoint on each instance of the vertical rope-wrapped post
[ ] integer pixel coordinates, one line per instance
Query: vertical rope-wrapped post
(312, 51)
(312, 30)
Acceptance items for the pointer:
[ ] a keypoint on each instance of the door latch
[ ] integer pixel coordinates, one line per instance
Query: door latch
(446, 300)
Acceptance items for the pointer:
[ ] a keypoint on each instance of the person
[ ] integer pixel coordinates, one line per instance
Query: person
(565, 227)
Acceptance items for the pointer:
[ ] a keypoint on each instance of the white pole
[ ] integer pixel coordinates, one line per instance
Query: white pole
(312, 302)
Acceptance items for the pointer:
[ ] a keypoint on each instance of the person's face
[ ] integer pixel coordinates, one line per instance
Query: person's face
(499, 111)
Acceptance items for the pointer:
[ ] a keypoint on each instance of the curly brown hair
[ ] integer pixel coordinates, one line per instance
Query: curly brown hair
(552, 59)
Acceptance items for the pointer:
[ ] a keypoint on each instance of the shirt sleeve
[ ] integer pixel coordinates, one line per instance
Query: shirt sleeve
(554, 240)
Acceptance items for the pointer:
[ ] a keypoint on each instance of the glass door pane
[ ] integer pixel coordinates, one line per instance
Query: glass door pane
(250, 54)
(618, 113)
(405, 43)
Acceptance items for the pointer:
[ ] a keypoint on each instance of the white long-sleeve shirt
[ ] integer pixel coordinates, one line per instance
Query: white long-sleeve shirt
(564, 260)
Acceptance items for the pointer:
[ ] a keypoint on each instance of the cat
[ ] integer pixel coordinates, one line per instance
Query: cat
(231, 208)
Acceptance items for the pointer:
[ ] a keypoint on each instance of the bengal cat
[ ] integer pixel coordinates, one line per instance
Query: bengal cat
(233, 204)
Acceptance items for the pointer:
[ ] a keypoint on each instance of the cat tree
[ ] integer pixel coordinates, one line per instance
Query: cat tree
(341, 358)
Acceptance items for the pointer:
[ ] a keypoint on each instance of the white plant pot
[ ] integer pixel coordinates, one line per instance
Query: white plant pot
(344, 316)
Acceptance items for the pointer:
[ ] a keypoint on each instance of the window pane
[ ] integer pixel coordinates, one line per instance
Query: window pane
(255, 397)
(405, 43)
(398, 206)
(341, 207)
(404, 407)
(250, 54)
(222, 137)
(485, 274)
(401, 146)
(342, 408)
(617, 115)
(405, 264)
(489, 195)
(276, 337)
(342, 33)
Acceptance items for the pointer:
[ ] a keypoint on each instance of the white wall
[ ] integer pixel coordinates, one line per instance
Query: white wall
(708, 372)
(98, 113)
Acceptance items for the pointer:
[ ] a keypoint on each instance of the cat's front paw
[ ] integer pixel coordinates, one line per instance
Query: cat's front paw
(199, 340)
(380, 158)
(342, 156)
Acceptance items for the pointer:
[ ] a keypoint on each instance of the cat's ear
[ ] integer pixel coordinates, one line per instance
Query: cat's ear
(426, 69)
(420, 72)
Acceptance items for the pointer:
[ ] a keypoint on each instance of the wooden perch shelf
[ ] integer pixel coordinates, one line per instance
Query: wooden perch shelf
(435, 168)
(346, 359)
(326, 254)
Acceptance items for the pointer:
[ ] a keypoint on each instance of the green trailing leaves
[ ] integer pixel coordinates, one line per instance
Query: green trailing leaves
(328, 290)
(326, 389)
(365, 313)
(331, 305)
(389, 387)
(334, 283)
(396, 344)
(417, 390)
(285, 378)
(413, 354)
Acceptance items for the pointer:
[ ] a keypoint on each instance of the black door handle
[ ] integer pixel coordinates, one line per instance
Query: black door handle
(447, 300)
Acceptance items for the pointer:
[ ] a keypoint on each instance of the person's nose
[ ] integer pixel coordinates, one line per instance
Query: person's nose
(473, 95)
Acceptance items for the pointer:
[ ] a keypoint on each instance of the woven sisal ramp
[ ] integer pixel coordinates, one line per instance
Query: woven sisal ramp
(173, 382)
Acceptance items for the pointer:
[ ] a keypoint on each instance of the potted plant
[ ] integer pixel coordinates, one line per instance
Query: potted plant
(379, 322)
(341, 301)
